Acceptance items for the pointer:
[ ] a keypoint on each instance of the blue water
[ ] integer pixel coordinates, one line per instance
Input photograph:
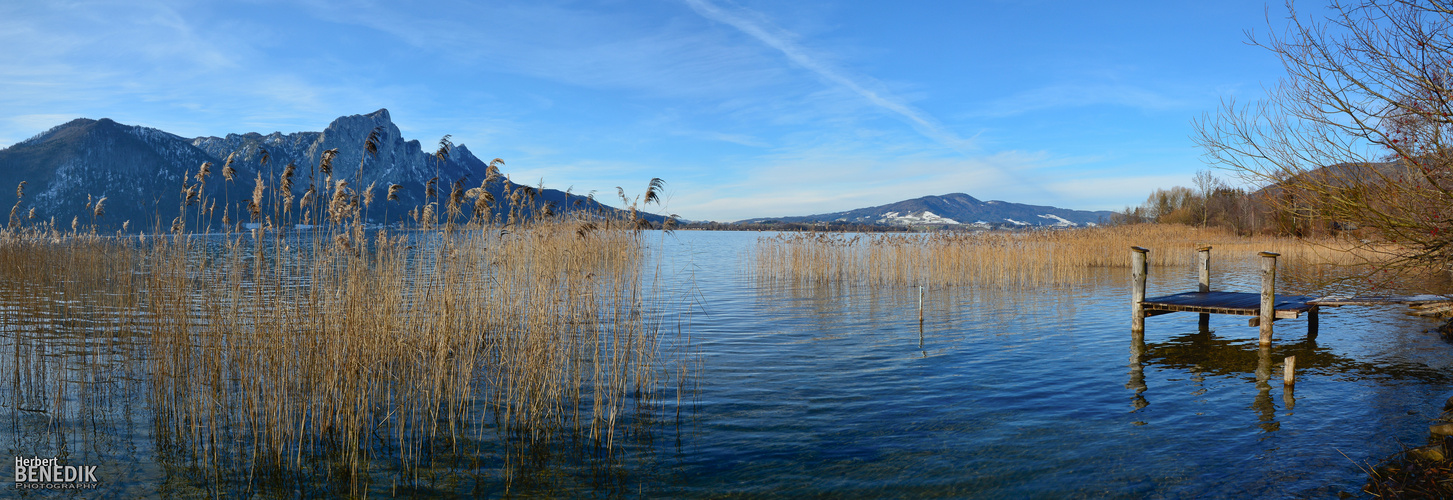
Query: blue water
(828, 391)
(838, 391)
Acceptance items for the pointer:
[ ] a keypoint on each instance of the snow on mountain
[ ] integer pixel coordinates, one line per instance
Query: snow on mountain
(1058, 221)
(949, 209)
(911, 219)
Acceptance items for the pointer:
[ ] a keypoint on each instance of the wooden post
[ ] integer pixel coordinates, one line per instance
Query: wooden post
(1268, 295)
(1138, 270)
(1203, 258)
(920, 304)
(1312, 322)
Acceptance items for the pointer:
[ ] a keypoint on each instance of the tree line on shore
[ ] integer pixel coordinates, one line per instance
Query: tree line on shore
(1276, 210)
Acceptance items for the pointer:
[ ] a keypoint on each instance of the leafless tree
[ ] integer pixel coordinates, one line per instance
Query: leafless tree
(1206, 186)
(1358, 132)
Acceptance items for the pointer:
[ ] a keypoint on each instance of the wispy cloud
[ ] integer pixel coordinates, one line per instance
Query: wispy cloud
(1077, 95)
(762, 29)
(145, 62)
(797, 187)
(744, 114)
(589, 46)
(832, 175)
(738, 139)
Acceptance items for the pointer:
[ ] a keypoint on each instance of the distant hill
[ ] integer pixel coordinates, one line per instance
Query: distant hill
(955, 209)
(1344, 175)
(141, 171)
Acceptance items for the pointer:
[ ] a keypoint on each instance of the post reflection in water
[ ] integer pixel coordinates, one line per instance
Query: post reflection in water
(1264, 406)
(1137, 370)
(920, 339)
(1288, 398)
(1204, 354)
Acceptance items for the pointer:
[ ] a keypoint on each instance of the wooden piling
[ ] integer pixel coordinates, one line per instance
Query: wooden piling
(1268, 295)
(1138, 270)
(1289, 374)
(1203, 259)
(1312, 323)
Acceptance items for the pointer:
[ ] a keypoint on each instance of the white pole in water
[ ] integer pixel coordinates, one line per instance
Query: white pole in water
(920, 303)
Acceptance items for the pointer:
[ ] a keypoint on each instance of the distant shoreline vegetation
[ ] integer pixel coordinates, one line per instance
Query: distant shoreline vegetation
(1018, 260)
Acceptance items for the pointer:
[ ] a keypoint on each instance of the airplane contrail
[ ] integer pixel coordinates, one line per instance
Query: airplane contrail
(774, 37)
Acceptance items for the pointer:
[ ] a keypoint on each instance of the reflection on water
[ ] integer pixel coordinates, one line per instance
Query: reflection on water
(1205, 354)
(830, 389)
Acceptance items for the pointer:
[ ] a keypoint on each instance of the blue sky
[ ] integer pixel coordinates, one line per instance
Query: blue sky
(746, 108)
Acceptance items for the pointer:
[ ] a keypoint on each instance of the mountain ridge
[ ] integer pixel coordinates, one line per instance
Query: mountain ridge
(951, 210)
(141, 171)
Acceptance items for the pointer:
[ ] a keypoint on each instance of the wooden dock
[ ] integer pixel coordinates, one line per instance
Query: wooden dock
(1264, 308)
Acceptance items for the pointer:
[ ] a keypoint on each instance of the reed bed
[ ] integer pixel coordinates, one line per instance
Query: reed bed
(269, 354)
(1015, 259)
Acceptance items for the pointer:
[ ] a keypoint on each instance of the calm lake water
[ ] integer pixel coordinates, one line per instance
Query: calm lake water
(836, 391)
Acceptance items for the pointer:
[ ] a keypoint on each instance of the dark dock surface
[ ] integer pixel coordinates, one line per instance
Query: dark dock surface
(1237, 303)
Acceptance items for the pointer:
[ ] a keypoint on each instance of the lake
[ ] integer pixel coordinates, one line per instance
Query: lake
(835, 390)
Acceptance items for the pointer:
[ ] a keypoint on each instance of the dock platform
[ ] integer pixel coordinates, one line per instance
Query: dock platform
(1236, 303)
(1264, 308)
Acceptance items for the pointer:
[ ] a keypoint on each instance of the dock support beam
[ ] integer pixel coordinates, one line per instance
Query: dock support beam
(1138, 269)
(1312, 323)
(1203, 260)
(1268, 295)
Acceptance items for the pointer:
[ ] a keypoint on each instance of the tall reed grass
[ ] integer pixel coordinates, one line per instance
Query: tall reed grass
(265, 351)
(1013, 259)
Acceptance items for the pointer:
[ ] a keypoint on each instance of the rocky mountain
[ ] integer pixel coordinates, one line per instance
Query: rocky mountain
(143, 172)
(64, 168)
(956, 209)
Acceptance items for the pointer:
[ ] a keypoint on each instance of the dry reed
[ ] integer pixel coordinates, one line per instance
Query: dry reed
(1013, 259)
(267, 352)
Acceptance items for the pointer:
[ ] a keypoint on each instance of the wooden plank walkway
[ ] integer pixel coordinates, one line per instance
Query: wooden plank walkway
(1236, 303)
